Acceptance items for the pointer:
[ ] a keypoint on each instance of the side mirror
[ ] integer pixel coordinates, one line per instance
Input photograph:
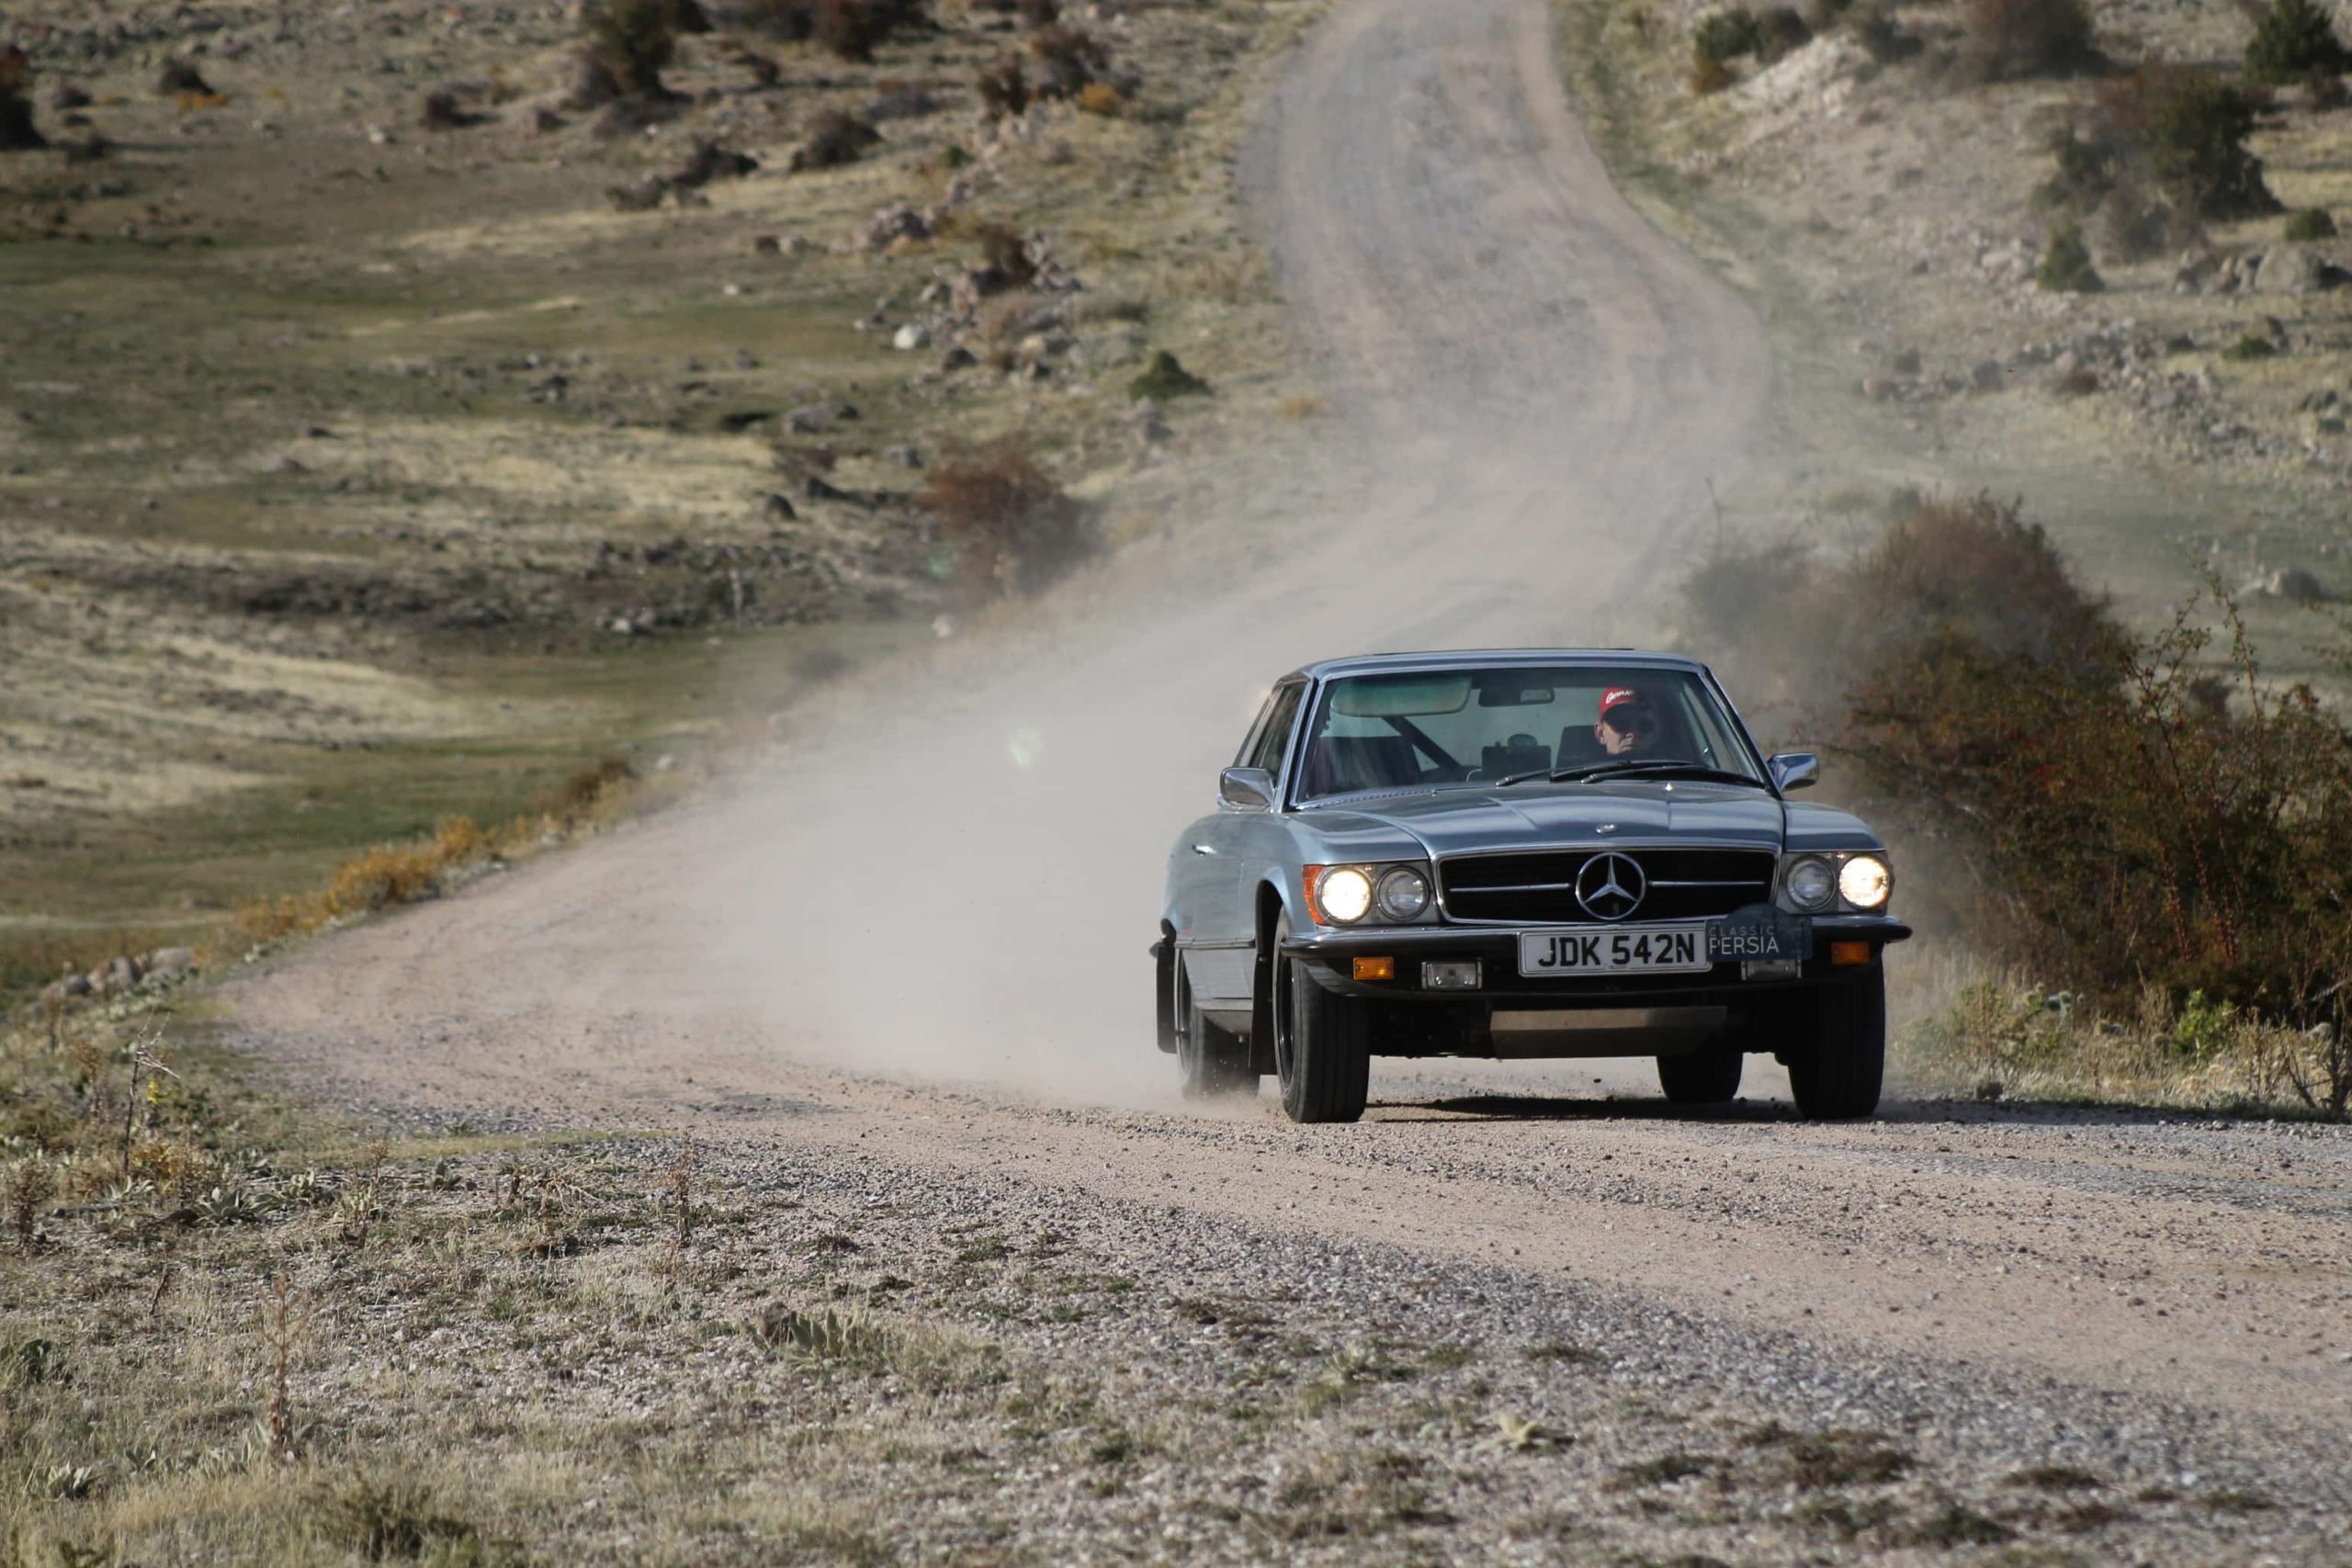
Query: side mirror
(1794, 770)
(1249, 789)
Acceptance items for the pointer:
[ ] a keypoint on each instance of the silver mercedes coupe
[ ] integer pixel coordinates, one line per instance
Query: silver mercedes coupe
(1528, 853)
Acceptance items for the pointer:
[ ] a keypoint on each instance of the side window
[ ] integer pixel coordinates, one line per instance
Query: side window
(1268, 752)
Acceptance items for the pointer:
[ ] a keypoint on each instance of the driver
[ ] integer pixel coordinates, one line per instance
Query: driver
(1629, 725)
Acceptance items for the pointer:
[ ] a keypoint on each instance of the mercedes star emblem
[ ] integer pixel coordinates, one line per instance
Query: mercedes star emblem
(1610, 887)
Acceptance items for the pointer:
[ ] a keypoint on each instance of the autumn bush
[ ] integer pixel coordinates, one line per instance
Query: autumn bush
(633, 40)
(2007, 40)
(853, 28)
(2138, 812)
(1012, 529)
(838, 137)
(1003, 87)
(1069, 61)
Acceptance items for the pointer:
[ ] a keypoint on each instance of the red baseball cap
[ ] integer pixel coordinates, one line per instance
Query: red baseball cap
(1620, 696)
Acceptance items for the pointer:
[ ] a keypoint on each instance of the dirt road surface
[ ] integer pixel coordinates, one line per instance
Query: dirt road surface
(913, 945)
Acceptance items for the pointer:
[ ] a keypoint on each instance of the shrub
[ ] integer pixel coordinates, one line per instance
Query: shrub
(1004, 250)
(2133, 227)
(1723, 35)
(18, 133)
(2131, 822)
(383, 1520)
(2188, 128)
(1012, 529)
(1102, 98)
(1003, 87)
(2066, 265)
(2325, 89)
(2012, 39)
(1710, 75)
(1068, 60)
(2294, 38)
(633, 40)
(2310, 224)
(853, 28)
(789, 21)
(2251, 347)
(1778, 31)
(1881, 37)
(179, 76)
(1164, 379)
(838, 137)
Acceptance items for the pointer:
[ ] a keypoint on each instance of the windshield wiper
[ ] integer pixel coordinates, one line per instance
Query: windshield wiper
(1651, 769)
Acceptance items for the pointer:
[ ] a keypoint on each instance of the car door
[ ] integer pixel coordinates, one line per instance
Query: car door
(1228, 928)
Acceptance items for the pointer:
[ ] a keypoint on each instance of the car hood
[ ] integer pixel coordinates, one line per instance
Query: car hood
(1629, 811)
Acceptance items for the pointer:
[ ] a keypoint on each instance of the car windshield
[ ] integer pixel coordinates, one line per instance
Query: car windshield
(1481, 726)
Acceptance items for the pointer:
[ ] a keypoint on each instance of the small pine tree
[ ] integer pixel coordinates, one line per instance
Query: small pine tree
(2294, 39)
(2066, 265)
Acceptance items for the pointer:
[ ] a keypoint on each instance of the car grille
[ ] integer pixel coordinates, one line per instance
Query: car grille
(1538, 886)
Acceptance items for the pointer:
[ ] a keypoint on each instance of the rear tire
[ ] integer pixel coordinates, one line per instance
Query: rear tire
(1708, 1076)
(1837, 1077)
(1215, 1061)
(1322, 1044)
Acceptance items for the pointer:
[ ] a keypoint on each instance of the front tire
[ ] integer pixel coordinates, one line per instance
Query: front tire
(1708, 1076)
(1215, 1061)
(1838, 1076)
(1322, 1044)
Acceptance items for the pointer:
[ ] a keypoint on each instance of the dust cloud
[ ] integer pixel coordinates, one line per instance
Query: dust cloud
(956, 870)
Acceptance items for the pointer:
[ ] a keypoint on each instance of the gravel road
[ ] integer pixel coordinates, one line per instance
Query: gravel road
(910, 951)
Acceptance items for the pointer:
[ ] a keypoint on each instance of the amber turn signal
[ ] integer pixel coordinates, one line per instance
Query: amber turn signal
(1849, 952)
(1375, 969)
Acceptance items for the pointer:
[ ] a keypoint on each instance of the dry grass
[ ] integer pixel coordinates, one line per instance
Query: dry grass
(1983, 1032)
(391, 875)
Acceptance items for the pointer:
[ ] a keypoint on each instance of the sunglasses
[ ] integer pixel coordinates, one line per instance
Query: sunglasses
(1626, 720)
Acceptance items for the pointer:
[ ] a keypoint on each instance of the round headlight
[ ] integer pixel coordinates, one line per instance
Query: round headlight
(1345, 894)
(1404, 894)
(1810, 882)
(1864, 881)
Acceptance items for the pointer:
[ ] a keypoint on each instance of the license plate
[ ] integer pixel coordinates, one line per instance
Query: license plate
(1618, 950)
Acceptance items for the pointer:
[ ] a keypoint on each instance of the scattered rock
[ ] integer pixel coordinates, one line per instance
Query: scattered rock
(958, 358)
(777, 507)
(1904, 362)
(541, 121)
(912, 336)
(895, 222)
(166, 961)
(1987, 375)
(643, 197)
(904, 456)
(816, 419)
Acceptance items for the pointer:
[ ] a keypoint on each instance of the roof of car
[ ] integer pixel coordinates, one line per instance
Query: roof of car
(1456, 658)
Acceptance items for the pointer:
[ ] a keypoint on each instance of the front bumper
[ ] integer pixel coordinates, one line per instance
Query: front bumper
(1330, 956)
